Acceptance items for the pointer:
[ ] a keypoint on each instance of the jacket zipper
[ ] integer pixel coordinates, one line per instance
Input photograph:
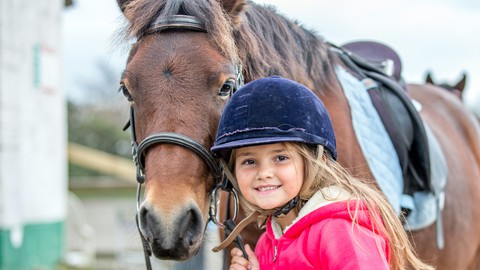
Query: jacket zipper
(275, 253)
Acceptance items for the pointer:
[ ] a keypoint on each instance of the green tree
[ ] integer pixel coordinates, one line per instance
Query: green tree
(98, 122)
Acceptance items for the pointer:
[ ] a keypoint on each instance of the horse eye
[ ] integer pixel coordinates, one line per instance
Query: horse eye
(227, 88)
(125, 92)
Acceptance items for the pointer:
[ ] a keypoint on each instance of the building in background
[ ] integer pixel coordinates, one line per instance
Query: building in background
(33, 177)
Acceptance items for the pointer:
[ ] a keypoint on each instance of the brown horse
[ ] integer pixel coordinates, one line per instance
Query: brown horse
(179, 75)
(456, 88)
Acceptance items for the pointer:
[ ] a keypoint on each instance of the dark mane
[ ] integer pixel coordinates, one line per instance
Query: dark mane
(271, 44)
(265, 42)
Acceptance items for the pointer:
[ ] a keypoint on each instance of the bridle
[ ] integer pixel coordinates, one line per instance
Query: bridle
(189, 23)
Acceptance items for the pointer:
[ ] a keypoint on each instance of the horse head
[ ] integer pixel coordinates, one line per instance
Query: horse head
(456, 88)
(180, 72)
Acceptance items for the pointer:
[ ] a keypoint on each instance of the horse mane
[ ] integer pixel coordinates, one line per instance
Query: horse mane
(264, 41)
(270, 44)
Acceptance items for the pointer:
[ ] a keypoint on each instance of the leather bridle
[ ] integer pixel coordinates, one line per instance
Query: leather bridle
(189, 23)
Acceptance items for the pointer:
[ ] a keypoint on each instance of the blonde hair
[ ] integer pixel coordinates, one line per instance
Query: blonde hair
(322, 171)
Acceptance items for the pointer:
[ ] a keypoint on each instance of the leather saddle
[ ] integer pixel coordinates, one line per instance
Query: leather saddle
(379, 67)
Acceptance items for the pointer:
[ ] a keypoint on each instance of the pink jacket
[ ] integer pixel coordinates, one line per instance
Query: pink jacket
(324, 239)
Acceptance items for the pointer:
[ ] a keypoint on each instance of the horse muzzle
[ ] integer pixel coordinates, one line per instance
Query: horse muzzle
(176, 237)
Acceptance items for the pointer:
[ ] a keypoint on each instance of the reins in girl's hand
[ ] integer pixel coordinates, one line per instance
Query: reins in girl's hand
(234, 231)
(229, 227)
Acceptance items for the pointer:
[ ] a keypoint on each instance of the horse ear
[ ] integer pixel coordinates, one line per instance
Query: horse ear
(429, 79)
(122, 4)
(234, 8)
(461, 84)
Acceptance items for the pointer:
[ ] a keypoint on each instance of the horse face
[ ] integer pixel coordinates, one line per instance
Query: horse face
(177, 82)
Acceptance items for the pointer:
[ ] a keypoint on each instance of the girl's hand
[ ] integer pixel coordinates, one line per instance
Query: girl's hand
(240, 263)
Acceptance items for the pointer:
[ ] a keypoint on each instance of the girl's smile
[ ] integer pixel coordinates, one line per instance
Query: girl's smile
(267, 188)
(269, 175)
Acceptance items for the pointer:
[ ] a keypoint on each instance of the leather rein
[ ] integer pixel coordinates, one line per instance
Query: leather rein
(189, 23)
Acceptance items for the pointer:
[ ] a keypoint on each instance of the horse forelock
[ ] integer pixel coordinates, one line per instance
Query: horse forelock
(142, 13)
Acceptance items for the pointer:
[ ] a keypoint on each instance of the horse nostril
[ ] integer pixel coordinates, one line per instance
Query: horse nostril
(188, 224)
(143, 215)
(146, 219)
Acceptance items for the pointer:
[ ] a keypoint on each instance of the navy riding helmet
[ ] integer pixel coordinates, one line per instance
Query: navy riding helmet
(271, 110)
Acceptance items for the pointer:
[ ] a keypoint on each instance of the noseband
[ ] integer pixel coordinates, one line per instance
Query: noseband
(138, 150)
(185, 23)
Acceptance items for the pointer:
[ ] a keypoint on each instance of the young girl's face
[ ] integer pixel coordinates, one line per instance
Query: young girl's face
(269, 175)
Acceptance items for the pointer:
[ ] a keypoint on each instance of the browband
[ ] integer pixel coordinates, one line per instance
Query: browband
(176, 22)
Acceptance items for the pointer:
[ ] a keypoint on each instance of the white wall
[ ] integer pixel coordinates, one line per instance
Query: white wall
(33, 178)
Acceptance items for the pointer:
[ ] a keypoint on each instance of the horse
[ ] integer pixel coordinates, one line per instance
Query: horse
(187, 58)
(455, 88)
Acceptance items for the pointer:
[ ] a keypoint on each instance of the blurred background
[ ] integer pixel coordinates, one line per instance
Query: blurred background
(67, 184)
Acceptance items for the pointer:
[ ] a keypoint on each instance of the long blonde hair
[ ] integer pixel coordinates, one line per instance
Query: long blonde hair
(322, 171)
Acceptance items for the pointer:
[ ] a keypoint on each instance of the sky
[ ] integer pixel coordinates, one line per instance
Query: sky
(442, 36)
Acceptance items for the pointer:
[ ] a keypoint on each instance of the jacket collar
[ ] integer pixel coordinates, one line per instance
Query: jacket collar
(323, 197)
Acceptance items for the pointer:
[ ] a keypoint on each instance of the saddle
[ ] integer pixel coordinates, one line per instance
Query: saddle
(378, 67)
(379, 55)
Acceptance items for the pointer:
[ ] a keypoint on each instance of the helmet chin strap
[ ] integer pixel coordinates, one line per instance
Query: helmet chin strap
(286, 208)
(252, 217)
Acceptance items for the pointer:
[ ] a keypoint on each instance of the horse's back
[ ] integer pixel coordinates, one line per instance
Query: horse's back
(458, 133)
(444, 112)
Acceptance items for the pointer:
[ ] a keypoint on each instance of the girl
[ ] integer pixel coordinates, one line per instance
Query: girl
(277, 147)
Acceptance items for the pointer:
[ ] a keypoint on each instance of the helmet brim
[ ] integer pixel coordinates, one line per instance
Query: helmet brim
(223, 150)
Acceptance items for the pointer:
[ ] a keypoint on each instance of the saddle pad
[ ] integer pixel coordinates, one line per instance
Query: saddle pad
(382, 158)
(428, 205)
(373, 138)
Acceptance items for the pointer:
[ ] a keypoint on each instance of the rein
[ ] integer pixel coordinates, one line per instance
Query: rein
(188, 23)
